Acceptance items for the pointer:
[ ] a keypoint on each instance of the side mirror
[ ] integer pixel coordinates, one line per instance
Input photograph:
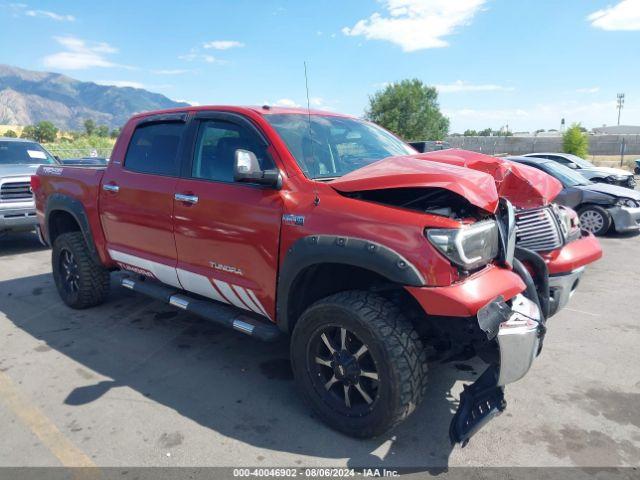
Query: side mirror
(247, 169)
(572, 166)
(57, 158)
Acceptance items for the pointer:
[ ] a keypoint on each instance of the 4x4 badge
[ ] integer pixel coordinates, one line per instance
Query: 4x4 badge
(290, 219)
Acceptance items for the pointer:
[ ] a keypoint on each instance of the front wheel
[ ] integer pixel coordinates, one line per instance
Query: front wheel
(81, 282)
(359, 363)
(595, 219)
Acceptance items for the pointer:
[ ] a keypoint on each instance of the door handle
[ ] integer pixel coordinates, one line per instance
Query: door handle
(111, 187)
(181, 197)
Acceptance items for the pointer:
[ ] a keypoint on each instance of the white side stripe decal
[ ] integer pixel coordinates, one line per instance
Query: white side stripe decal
(245, 298)
(199, 284)
(229, 294)
(196, 283)
(257, 302)
(164, 273)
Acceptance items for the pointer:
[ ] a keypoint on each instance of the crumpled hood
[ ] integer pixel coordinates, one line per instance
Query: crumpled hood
(410, 172)
(524, 186)
(614, 190)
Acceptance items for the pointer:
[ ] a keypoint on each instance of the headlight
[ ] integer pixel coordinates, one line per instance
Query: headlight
(618, 178)
(627, 202)
(470, 246)
(569, 222)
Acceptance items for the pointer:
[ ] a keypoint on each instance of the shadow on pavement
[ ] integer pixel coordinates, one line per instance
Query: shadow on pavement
(220, 379)
(17, 243)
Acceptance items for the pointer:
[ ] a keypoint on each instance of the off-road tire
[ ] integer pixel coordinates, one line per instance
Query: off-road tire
(93, 280)
(396, 351)
(596, 210)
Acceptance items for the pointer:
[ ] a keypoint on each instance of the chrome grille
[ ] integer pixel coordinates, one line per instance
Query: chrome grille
(15, 191)
(538, 230)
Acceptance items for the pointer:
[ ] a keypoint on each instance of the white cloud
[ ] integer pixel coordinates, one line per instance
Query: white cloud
(416, 24)
(121, 83)
(461, 86)
(79, 55)
(20, 9)
(623, 16)
(285, 102)
(176, 71)
(194, 55)
(588, 90)
(223, 44)
(52, 15)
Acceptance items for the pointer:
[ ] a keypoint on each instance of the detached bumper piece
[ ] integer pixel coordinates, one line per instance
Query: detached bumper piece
(518, 330)
(625, 219)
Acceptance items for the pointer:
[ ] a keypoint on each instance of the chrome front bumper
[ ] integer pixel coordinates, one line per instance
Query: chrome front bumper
(562, 288)
(18, 218)
(625, 219)
(519, 340)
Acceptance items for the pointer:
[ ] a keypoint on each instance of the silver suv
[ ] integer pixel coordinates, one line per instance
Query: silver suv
(19, 159)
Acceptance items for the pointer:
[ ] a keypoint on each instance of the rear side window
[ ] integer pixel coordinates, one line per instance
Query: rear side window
(154, 149)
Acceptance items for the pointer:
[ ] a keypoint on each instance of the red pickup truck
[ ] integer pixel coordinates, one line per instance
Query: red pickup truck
(319, 226)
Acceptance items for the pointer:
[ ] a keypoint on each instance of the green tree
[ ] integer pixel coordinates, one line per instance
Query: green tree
(102, 131)
(576, 141)
(45, 132)
(485, 133)
(115, 133)
(29, 132)
(470, 133)
(10, 134)
(410, 110)
(89, 126)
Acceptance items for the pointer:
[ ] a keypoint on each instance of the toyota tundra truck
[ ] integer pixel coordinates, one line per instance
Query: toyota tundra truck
(316, 226)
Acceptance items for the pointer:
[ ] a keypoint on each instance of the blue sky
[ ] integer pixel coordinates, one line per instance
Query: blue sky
(524, 63)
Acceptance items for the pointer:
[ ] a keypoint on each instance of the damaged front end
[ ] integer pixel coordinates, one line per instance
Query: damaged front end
(516, 328)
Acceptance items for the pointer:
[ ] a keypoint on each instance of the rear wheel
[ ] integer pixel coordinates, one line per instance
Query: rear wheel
(595, 219)
(81, 282)
(359, 363)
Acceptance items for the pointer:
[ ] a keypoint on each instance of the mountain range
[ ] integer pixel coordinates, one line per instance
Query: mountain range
(28, 97)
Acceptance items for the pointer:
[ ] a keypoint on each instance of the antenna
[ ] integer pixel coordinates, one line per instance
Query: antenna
(316, 200)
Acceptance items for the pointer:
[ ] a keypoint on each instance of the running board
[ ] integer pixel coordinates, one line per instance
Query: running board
(219, 313)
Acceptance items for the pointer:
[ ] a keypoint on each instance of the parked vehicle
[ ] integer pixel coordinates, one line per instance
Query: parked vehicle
(601, 207)
(614, 176)
(319, 226)
(19, 160)
(636, 170)
(550, 233)
(430, 146)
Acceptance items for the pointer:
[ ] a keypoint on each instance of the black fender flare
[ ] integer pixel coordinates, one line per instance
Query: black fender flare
(357, 252)
(58, 202)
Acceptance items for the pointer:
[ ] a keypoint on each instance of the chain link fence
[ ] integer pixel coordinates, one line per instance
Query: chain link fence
(65, 153)
(599, 145)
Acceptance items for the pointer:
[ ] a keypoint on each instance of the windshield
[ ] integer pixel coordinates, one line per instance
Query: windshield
(329, 147)
(567, 177)
(24, 153)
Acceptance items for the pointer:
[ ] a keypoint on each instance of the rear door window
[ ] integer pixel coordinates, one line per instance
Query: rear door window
(154, 149)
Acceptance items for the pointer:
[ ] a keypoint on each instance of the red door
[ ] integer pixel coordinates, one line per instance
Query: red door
(227, 233)
(136, 202)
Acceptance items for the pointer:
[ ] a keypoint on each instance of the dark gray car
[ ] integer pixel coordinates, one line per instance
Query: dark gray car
(613, 176)
(600, 206)
(19, 160)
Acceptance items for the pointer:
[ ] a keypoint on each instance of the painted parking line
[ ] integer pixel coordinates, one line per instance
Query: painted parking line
(53, 439)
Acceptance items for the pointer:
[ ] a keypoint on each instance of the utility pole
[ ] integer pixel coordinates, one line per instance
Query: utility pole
(620, 105)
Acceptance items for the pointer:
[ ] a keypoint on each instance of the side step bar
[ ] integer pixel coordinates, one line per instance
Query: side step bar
(219, 313)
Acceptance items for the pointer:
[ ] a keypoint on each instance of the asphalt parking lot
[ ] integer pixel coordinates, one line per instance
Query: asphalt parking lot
(138, 383)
